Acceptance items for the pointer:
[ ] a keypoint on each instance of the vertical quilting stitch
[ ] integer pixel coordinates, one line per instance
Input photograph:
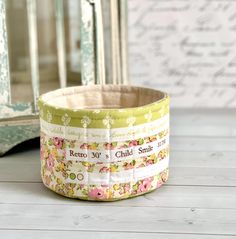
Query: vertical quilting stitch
(134, 167)
(109, 165)
(87, 175)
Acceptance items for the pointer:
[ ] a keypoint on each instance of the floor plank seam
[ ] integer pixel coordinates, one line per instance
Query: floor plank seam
(109, 204)
(114, 231)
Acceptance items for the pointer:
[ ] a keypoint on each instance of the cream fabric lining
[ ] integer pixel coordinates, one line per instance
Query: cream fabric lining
(105, 96)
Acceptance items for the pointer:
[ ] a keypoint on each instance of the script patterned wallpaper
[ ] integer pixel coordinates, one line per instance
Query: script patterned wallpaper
(185, 47)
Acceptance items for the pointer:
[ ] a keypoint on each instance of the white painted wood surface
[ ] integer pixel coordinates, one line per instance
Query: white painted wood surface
(199, 200)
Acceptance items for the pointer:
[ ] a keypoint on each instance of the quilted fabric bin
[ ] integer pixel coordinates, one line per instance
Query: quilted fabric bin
(104, 143)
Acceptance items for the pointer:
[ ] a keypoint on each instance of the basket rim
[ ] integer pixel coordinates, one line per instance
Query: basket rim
(96, 88)
(104, 117)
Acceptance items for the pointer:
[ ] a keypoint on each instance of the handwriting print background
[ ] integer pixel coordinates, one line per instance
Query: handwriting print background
(185, 47)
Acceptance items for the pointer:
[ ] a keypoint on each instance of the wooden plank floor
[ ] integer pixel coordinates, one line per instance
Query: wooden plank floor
(198, 202)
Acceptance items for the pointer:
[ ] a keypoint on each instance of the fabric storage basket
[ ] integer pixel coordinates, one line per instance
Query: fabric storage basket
(105, 142)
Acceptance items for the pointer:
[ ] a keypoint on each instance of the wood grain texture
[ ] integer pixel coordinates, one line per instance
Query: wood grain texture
(118, 219)
(199, 143)
(211, 122)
